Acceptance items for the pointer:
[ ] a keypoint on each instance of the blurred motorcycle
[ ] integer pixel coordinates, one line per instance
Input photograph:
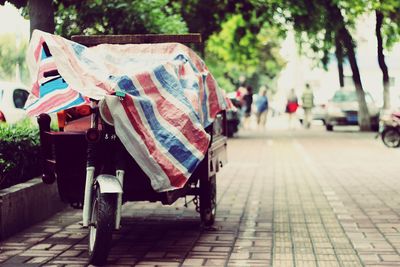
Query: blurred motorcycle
(389, 129)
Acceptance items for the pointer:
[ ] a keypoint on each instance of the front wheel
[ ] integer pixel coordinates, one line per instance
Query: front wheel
(391, 137)
(101, 226)
(208, 200)
(329, 127)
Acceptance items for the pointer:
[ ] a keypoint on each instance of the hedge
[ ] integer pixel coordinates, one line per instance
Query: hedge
(19, 153)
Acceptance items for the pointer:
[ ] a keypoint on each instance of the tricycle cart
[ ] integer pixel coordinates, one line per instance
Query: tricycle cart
(94, 171)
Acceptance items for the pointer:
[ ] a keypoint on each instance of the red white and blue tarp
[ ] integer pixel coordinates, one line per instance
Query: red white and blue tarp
(170, 98)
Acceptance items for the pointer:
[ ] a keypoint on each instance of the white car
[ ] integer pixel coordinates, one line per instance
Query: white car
(12, 100)
(343, 110)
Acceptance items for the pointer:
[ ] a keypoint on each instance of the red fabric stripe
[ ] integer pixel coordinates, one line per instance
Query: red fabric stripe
(38, 49)
(176, 177)
(35, 89)
(52, 102)
(197, 137)
(212, 96)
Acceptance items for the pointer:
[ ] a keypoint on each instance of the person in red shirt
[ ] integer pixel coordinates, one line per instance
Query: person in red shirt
(291, 106)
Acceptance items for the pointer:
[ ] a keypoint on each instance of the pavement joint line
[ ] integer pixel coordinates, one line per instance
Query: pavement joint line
(289, 219)
(384, 202)
(273, 212)
(202, 230)
(316, 173)
(326, 230)
(302, 208)
(366, 214)
(240, 220)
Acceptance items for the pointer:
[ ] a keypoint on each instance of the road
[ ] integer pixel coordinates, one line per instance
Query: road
(286, 198)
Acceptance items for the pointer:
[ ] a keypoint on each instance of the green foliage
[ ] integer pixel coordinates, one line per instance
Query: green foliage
(239, 50)
(118, 17)
(391, 23)
(19, 153)
(206, 16)
(12, 54)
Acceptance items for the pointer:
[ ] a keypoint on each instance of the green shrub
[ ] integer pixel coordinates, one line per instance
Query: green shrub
(19, 153)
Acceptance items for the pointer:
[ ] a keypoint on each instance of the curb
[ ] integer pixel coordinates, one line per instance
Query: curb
(25, 204)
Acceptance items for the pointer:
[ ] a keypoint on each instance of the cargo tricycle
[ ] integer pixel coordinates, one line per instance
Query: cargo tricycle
(94, 171)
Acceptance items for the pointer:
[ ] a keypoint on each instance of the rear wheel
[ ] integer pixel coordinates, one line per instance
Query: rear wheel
(391, 137)
(329, 127)
(101, 226)
(208, 200)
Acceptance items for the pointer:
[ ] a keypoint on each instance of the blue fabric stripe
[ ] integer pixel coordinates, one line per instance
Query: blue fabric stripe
(43, 54)
(51, 86)
(170, 84)
(79, 100)
(189, 85)
(78, 49)
(168, 140)
(185, 59)
(205, 102)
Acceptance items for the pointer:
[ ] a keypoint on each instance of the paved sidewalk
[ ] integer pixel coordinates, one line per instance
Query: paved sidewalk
(299, 198)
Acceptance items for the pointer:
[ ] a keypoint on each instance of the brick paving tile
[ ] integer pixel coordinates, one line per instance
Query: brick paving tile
(38, 260)
(214, 262)
(248, 263)
(328, 263)
(193, 262)
(221, 249)
(287, 198)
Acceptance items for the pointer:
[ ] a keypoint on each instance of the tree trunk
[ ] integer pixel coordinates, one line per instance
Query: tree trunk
(41, 15)
(335, 15)
(381, 60)
(339, 58)
(364, 120)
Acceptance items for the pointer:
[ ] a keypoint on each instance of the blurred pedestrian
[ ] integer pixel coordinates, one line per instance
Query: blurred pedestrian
(308, 103)
(246, 106)
(262, 107)
(291, 106)
(240, 92)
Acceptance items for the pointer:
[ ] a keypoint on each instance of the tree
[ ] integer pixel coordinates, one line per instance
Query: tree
(97, 16)
(387, 20)
(381, 59)
(321, 26)
(348, 43)
(339, 57)
(41, 13)
(118, 17)
(236, 51)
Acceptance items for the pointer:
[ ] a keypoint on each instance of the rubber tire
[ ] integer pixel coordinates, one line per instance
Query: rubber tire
(103, 215)
(208, 200)
(385, 135)
(329, 127)
(375, 127)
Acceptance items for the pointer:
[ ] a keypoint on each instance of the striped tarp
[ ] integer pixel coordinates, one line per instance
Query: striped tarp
(170, 98)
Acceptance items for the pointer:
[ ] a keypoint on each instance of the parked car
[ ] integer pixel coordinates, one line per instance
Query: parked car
(343, 108)
(12, 100)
